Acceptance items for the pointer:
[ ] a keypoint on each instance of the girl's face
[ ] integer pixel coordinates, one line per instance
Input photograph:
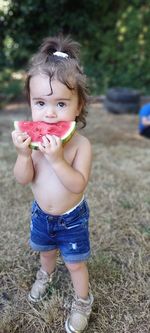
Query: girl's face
(61, 105)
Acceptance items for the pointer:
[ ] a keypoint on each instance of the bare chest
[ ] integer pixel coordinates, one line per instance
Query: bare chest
(43, 168)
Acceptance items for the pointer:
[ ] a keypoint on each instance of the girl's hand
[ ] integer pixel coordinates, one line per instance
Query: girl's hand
(52, 148)
(21, 142)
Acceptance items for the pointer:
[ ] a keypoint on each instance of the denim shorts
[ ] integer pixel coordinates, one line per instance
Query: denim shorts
(67, 232)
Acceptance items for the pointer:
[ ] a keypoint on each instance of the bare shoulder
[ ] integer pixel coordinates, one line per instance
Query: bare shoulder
(80, 139)
(83, 154)
(82, 145)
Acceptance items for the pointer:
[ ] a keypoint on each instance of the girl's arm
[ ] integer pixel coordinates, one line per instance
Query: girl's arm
(74, 177)
(23, 169)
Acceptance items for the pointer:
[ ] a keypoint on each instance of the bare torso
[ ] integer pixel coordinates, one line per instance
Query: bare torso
(49, 192)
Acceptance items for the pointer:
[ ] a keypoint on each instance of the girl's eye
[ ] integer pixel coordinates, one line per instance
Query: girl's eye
(61, 104)
(40, 103)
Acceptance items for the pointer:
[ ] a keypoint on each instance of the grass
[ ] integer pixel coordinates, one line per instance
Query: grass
(119, 197)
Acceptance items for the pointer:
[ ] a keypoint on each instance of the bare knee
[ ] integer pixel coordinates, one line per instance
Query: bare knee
(75, 266)
(48, 254)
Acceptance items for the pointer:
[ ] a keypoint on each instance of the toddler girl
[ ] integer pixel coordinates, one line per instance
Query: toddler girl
(57, 91)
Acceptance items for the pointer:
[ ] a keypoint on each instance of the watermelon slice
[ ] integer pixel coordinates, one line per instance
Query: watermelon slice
(36, 129)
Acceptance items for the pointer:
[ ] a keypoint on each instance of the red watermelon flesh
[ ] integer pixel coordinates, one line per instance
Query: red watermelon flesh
(37, 129)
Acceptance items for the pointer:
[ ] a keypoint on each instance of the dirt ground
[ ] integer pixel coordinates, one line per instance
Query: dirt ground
(119, 198)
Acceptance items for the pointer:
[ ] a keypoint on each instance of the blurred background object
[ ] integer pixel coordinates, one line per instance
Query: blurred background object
(122, 100)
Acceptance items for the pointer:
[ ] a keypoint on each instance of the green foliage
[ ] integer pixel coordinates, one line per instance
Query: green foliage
(115, 37)
(123, 52)
(11, 86)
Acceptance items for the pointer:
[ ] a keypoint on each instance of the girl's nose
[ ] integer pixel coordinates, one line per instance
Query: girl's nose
(50, 113)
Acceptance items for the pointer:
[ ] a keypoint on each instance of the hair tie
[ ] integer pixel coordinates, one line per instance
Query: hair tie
(61, 54)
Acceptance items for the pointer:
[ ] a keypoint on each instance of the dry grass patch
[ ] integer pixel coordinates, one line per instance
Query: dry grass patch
(119, 196)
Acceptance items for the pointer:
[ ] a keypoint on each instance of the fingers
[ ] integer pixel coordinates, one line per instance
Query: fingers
(46, 141)
(50, 141)
(51, 147)
(26, 142)
(57, 140)
(19, 136)
(20, 139)
(41, 148)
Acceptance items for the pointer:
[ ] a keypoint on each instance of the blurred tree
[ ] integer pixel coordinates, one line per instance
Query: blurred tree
(115, 36)
(26, 23)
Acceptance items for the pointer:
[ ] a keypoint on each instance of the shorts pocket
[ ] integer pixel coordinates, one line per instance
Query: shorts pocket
(80, 222)
(78, 218)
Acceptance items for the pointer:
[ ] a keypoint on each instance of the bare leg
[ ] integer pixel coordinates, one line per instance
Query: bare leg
(80, 278)
(48, 260)
(81, 308)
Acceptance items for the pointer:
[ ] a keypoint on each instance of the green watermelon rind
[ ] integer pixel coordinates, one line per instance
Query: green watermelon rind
(65, 138)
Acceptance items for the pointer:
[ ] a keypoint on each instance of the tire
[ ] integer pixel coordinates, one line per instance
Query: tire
(121, 108)
(124, 95)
